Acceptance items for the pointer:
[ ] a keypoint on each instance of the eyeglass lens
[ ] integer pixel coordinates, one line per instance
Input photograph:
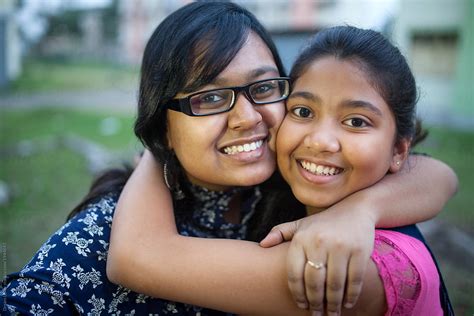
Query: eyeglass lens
(216, 101)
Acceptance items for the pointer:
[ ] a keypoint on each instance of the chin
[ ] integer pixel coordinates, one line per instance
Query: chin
(256, 177)
(311, 199)
(256, 180)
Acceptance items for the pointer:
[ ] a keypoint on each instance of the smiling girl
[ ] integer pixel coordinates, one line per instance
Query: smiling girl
(351, 120)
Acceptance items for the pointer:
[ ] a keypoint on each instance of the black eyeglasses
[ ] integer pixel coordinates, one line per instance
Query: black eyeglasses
(222, 100)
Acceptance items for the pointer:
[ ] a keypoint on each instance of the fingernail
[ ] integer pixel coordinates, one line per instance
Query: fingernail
(348, 305)
(316, 313)
(302, 305)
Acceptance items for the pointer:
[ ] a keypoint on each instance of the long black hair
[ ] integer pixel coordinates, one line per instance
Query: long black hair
(188, 50)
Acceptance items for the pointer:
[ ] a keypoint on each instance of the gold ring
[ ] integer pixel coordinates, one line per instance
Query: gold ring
(317, 265)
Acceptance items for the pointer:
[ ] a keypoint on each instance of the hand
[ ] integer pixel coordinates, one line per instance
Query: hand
(340, 240)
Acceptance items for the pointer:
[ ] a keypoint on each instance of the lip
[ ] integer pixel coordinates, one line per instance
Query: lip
(241, 141)
(313, 178)
(249, 156)
(317, 161)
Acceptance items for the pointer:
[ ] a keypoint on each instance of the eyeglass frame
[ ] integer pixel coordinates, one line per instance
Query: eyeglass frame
(183, 105)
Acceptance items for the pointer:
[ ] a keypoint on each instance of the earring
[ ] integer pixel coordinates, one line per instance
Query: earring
(177, 192)
(165, 174)
(398, 163)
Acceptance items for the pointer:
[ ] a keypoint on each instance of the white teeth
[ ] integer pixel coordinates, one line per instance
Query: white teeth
(232, 150)
(326, 170)
(320, 170)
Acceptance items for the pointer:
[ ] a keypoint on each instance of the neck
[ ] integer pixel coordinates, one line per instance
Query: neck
(311, 210)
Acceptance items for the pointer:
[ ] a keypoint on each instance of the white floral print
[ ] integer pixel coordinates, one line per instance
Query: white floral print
(68, 273)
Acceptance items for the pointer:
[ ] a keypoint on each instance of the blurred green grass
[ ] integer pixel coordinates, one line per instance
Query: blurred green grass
(456, 148)
(43, 123)
(52, 75)
(46, 183)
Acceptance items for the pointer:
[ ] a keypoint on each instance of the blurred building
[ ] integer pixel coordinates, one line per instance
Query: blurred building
(437, 37)
(78, 31)
(10, 55)
(290, 21)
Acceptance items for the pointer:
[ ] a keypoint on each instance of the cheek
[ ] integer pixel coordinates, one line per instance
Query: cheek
(194, 136)
(371, 160)
(272, 115)
(286, 142)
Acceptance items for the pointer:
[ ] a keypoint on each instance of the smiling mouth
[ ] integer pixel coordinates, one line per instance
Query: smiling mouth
(320, 170)
(247, 147)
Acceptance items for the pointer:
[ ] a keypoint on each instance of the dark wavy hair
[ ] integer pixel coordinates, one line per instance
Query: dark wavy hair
(188, 50)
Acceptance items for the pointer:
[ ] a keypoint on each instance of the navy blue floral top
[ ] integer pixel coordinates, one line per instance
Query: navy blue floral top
(67, 275)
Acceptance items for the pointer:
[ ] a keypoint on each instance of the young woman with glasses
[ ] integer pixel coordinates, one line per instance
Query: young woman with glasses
(210, 104)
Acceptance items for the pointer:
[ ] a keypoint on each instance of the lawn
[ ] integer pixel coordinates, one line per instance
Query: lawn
(44, 75)
(456, 148)
(46, 179)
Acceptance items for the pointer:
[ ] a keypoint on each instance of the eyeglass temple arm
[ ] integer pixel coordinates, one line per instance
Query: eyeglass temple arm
(176, 105)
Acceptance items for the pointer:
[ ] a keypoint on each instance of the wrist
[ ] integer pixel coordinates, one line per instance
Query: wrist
(366, 205)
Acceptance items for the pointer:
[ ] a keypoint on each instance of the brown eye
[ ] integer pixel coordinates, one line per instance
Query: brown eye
(356, 122)
(302, 112)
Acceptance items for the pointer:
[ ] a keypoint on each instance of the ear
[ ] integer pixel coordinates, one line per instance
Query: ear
(400, 154)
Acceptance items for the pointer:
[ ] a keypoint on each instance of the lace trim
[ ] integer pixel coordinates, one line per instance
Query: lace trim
(400, 277)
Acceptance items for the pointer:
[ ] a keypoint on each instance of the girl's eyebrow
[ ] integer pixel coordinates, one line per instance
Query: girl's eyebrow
(354, 104)
(305, 95)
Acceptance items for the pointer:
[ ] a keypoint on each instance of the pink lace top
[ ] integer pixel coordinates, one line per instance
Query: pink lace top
(408, 273)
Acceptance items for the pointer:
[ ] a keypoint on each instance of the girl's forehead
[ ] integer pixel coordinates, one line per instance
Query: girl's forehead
(331, 72)
(342, 84)
(253, 61)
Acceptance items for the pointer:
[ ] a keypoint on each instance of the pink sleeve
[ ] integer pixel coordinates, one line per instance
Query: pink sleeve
(408, 273)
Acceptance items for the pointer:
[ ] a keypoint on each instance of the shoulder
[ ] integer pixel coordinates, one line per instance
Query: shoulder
(406, 268)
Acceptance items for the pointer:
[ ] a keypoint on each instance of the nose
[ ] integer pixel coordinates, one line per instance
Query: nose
(244, 114)
(323, 138)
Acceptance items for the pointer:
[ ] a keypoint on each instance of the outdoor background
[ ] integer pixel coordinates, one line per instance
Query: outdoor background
(69, 74)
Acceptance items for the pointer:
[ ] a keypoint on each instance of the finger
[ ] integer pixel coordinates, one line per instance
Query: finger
(315, 279)
(296, 262)
(273, 238)
(335, 281)
(355, 276)
(279, 234)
